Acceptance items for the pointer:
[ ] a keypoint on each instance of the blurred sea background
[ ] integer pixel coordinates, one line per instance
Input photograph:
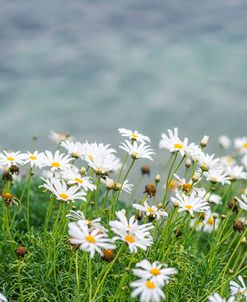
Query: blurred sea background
(89, 67)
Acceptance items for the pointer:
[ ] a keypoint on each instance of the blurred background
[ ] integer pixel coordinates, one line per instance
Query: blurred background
(89, 67)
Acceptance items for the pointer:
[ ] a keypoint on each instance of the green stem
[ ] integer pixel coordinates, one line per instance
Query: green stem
(28, 199)
(168, 177)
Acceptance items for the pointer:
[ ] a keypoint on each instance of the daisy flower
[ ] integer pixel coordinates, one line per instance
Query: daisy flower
(210, 222)
(148, 290)
(134, 135)
(152, 211)
(217, 298)
(240, 144)
(11, 158)
(89, 241)
(94, 224)
(62, 192)
(193, 151)
(136, 150)
(59, 137)
(243, 202)
(57, 161)
(189, 203)
(92, 151)
(238, 288)
(129, 231)
(217, 176)
(236, 173)
(34, 159)
(104, 163)
(155, 271)
(207, 162)
(73, 177)
(224, 141)
(244, 161)
(75, 149)
(228, 161)
(172, 142)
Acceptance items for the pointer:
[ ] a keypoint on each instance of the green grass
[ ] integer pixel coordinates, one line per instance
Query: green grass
(48, 272)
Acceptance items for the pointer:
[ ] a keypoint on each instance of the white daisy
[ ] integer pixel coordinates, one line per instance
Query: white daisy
(34, 159)
(152, 211)
(228, 161)
(73, 177)
(134, 135)
(243, 202)
(136, 150)
(62, 192)
(75, 149)
(91, 224)
(148, 290)
(189, 203)
(57, 161)
(104, 163)
(129, 231)
(92, 151)
(89, 241)
(210, 222)
(173, 142)
(207, 162)
(224, 141)
(240, 144)
(155, 271)
(217, 298)
(238, 288)
(11, 158)
(217, 176)
(236, 173)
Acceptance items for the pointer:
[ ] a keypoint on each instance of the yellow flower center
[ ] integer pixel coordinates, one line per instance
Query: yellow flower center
(90, 157)
(134, 136)
(10, 158)
(245, 145)
(211, 220)
(32, 157)
(172, 184)
(154, 271)
(188, 206)
(90, 239)
(55, 164)
(187, 186)
(149, 284)
(79, 180)
(150, 210)
(64, 196)
(129, 239)
(178, 146)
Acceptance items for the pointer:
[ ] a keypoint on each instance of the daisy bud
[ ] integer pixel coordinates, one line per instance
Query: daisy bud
(196, 177)
(145, 170)
(7, 176)
(21, 251)
(233, 204)
(139, 215)
(116, 186)
(157, 178)
(231, 271)
(150, 189)
(243, 241)
(238, 226)
(160, 205)
(202, 215)
(188, 163)
(223, 216)
(82, 171)
(14, 169)
(204, 141)
(213, 180)
(75, 155)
